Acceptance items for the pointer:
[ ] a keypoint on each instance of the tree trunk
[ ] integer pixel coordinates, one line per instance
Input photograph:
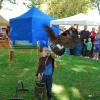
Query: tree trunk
(98, 8)
(1, 3)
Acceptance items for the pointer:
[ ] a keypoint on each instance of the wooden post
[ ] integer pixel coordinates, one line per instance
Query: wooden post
(8, 41)
(82, 98)
(11, 55)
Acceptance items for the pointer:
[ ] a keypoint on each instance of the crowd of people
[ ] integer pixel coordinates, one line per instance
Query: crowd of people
(88, 44)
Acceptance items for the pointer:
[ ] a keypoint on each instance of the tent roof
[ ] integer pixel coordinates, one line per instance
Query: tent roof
(34, 13)
(3, 21)
(64, 21)
(80, 19)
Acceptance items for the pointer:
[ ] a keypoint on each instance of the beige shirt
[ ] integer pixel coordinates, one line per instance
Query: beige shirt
(98, 35)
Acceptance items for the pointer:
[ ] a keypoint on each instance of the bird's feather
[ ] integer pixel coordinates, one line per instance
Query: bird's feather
(51, 34)
(64, 40)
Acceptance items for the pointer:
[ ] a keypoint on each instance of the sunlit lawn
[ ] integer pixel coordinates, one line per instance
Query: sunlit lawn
(75, 78)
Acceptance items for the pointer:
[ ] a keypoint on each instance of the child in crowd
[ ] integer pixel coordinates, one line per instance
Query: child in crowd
(84, 47)
(88, 48)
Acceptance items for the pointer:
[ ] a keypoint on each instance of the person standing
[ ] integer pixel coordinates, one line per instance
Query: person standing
(73, 31)
(97, 45)
(84, 37)
(88, 48)
(84, 47)
(85, 33)
(46, 69)
(92, 34)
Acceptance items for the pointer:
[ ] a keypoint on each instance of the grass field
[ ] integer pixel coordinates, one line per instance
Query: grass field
(75, 78)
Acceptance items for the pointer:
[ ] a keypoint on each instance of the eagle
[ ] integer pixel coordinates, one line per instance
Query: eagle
(59, 43)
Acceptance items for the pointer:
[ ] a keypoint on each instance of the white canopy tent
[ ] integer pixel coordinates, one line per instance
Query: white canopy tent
(79, 19)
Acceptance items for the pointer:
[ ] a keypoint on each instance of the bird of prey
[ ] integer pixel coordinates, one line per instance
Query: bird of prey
(58, 43)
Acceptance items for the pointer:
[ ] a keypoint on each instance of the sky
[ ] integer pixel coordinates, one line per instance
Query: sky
(14, 10)
(93, 12)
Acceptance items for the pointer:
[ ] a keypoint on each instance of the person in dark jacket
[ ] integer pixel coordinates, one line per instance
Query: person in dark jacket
(85, 33)
(73, 32)
(84, 47)
(46, 69)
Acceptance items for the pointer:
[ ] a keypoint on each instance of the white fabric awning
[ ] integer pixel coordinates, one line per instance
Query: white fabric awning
(80, 19)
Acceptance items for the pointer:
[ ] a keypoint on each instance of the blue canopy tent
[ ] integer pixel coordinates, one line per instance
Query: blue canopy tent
(30, 27)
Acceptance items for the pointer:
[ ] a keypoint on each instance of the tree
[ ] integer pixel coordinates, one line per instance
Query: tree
(96, 3)
(1, 1)
(11, 1)
(36, 3)
(61, 8)
(28, 3)
(64, 8)
(58, 8)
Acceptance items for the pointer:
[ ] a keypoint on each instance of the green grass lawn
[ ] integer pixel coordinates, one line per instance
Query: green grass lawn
(75, 78)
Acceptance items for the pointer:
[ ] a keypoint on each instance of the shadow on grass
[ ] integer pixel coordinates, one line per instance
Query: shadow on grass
(76, 78)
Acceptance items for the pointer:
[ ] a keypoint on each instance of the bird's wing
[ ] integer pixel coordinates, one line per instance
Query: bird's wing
(67, 40)
(64, 39)
(51, 34)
